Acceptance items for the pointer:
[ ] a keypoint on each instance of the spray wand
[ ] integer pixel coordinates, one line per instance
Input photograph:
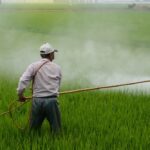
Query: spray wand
(78, 91)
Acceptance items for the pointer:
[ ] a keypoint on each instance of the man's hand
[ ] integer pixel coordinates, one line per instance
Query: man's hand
(21, 98)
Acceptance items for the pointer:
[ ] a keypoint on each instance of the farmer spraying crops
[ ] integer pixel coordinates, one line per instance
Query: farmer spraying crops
(46, 77)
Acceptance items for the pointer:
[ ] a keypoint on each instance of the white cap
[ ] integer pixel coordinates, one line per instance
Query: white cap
(47, 49)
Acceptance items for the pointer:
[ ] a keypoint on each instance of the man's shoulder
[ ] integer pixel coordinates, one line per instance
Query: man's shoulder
(35, 64)
(56, 65)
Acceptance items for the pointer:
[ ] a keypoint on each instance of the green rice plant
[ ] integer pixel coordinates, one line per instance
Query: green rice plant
(91, 120)
(106, 119)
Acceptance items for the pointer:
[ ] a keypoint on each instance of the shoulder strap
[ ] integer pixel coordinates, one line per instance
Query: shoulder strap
(37, 72)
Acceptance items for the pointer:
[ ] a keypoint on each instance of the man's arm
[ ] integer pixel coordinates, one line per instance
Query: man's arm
(24, 82)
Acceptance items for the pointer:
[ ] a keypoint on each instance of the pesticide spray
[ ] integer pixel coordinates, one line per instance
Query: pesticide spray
(92, 53)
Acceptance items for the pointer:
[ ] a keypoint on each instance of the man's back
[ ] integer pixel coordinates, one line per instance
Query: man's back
(47, 79)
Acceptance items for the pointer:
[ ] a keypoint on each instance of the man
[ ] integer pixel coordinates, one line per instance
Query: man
(46, 77)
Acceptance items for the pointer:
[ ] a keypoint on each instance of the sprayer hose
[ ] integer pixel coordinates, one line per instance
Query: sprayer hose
(81, 90)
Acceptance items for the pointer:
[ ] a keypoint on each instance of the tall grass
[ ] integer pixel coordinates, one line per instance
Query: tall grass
(91, 120)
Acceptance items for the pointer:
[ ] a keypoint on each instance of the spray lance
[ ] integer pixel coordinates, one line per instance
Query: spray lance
(12, 107)
(27, 99)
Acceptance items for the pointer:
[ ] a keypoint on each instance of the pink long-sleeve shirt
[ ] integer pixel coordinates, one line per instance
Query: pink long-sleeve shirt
(47, 79)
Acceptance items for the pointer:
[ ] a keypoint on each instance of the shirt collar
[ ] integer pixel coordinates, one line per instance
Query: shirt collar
(45, 59)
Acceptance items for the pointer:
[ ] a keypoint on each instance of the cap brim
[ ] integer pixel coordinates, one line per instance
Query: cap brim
(42, 52)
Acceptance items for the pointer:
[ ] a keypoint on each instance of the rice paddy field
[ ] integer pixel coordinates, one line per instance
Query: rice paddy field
(98, 45)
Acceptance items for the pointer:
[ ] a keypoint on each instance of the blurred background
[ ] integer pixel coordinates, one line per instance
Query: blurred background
(100, 42)
(73, 1)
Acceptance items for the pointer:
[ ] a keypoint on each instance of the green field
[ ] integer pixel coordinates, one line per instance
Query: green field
(96, 48)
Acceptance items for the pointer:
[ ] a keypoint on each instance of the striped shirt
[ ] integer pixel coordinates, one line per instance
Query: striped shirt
(46, 81)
